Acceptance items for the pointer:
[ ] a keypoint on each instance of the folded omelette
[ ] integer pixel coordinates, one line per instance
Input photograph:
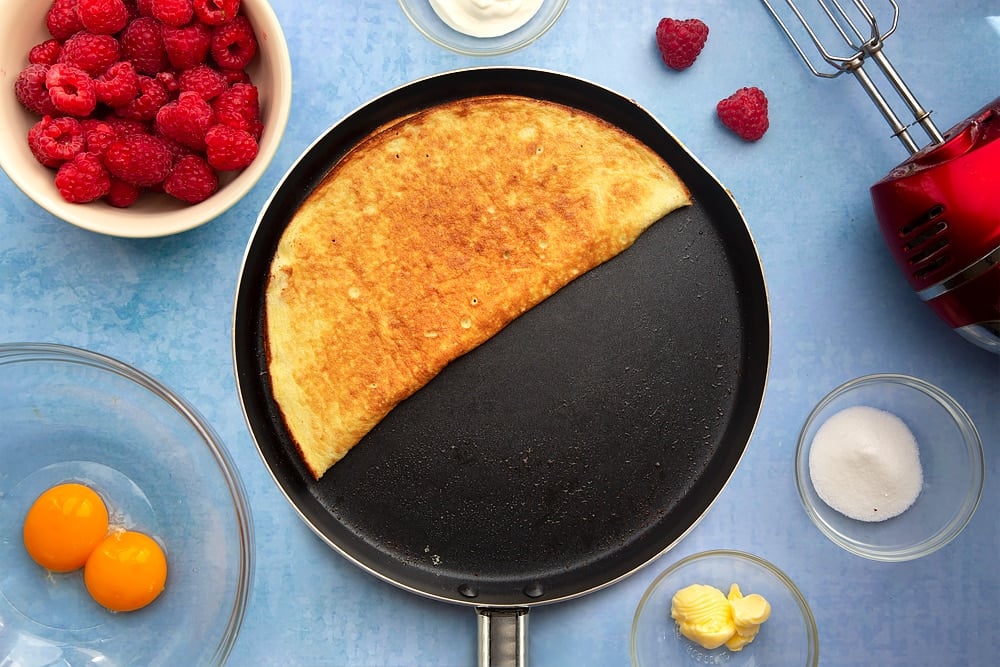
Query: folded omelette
(428, 238)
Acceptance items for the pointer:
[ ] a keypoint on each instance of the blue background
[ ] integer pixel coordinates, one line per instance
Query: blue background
(840, 309)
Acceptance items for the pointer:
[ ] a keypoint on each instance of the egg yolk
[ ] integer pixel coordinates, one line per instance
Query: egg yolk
(126, 571)
(64, 525)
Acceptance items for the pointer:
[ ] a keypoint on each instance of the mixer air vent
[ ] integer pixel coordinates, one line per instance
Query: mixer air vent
(925, 242)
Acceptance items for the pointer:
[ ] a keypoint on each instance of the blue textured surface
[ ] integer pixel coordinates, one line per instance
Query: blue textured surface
(840, 309)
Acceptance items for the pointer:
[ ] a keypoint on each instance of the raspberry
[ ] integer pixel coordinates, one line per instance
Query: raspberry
(30, 90)
(238, 107)
(142, 43)
(204, 80)
(216, 12)
(46, 53)
(140, 159)
(97, 135)
(55, 140)
(122, 194)
(192, 180)
(152, 96)
(83, 179)
(176, 148)
(680, 42)
(186, 120)
(102, 17)
(71, 89)
(228, 148)
(171, 82)
(91, 53)
(172, 12)
(235, 76)
(745, 113)
(118, 85)
(187, 46)
(234, 44)
(167, 79)
(126, 126)
(62, 20)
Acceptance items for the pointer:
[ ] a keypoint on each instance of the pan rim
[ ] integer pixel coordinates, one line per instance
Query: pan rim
(660, 127)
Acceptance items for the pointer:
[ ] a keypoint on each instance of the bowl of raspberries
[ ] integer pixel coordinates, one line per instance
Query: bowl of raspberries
(141, 118)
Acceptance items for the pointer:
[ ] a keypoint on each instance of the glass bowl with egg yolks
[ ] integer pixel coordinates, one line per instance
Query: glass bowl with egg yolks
(426, 20)
(788, 638)
(74, 416)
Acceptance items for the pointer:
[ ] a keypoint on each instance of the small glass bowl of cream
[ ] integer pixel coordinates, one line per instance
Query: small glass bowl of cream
(853, 462)
(483, 27)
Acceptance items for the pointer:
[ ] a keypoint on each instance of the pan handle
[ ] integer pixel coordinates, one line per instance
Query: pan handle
(503, 636)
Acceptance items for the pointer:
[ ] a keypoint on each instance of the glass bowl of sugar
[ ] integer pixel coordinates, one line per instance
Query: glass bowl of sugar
(889, 467)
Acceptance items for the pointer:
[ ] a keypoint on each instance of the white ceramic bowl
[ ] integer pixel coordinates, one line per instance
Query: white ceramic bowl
(787, 639)
(427, 21)
(951, 459)
(22, 25)
(72, 415)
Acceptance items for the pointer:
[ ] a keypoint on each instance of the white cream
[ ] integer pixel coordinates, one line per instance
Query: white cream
(486, 18)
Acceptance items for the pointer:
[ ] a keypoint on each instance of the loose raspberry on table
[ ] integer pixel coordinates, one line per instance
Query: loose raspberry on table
(122, 194)
(46, 53)
(118, 85)
(192, 180)
(142, 43)
(30, 90)
(152, 96)
(140, 159)
(83, 179)
(186, 46)
(186, 120)
(102, 17)
(680, 41)
(228, 148)
(62, 19)
(71, 89)
(745, 113)
(234, 44)
(172, 12)
(91, 53)
(55, 140)
(239, 107)
(204, 80)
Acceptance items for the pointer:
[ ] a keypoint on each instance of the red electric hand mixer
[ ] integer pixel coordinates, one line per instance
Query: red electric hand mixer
(939, 210)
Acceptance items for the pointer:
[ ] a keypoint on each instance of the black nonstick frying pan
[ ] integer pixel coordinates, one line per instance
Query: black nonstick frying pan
(581, 442)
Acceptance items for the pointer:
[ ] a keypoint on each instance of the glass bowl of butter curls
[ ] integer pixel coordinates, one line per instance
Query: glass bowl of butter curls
(483, 27)
(724, 607)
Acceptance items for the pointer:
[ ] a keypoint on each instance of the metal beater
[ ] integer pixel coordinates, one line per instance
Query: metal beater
(939, 210)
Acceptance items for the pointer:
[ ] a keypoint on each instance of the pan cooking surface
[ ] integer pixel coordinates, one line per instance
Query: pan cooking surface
(581, 441)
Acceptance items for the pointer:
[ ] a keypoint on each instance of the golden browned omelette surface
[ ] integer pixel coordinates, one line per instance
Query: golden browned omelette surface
(432, 235)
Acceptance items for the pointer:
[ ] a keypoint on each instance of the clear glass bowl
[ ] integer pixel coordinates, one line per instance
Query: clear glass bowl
(72, 415)
(951, 457)
(787, 639)
(426, 20)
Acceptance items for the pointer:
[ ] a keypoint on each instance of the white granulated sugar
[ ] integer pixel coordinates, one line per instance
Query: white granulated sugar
(865, 464)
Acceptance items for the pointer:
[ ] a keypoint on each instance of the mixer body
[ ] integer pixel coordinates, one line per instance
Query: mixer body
(939, 212)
